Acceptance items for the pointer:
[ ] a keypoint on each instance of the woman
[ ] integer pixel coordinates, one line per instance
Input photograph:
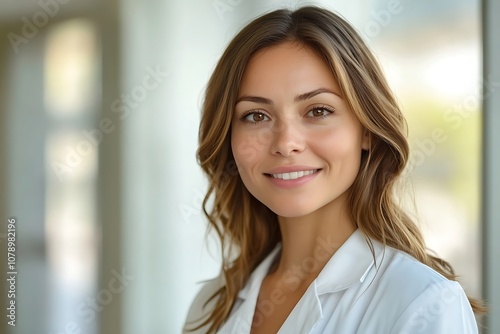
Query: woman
(303, 143)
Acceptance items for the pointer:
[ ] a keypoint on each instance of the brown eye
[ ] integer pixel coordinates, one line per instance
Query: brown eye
(319, 112)
(255, 117)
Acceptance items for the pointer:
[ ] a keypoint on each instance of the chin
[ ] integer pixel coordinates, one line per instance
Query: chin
(291, 214)
(290, 211)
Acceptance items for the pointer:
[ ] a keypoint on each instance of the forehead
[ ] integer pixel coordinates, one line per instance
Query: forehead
(289, 66)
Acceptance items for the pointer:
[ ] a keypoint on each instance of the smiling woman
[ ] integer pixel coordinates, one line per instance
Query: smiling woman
(313, 241)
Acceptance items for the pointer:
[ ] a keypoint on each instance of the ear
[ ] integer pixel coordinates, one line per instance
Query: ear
(366, 140)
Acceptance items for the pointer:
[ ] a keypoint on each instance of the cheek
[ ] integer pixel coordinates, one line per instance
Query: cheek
(247, 146)
(245, 154)
(340, 146)
(243, 150)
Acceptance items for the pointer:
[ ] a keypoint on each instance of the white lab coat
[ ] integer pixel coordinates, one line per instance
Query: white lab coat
(395, 294)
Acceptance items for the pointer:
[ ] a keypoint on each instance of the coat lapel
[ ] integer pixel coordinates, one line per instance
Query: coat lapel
(305, 314)
(240, 321)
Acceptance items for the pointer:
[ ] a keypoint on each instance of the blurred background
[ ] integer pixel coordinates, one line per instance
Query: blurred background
(99, 112)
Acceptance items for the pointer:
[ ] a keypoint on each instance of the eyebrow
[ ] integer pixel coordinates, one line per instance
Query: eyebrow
(298, 98)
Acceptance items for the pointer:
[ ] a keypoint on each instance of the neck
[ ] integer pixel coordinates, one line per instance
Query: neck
(308, 242)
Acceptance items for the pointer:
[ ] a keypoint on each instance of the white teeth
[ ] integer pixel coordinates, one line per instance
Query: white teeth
(294, 175)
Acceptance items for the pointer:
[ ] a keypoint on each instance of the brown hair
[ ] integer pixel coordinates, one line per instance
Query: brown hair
(248, 230)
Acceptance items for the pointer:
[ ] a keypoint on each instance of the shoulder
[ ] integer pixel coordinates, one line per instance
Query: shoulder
(202, 306)
(398, 268)
(426, 301)
(403, 276)
(441, 307)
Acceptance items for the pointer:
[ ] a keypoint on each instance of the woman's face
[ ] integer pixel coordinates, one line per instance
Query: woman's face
(295, 141)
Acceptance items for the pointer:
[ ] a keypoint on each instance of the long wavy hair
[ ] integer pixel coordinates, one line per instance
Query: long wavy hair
(248, 230)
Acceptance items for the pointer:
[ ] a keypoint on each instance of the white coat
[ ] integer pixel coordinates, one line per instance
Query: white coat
(394, 294)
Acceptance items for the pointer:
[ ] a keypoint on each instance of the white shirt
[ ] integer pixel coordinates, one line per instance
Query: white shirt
(394, 294)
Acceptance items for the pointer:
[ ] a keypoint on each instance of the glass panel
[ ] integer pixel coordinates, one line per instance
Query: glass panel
(432, 55)
(71, 96)
(71, 68)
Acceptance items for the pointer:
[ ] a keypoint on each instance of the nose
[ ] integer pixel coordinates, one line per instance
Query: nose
(288, 139)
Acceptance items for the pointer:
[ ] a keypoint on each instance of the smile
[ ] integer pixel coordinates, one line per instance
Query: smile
(294, 175)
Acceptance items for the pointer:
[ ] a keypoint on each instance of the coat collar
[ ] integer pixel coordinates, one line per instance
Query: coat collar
(348, 266)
